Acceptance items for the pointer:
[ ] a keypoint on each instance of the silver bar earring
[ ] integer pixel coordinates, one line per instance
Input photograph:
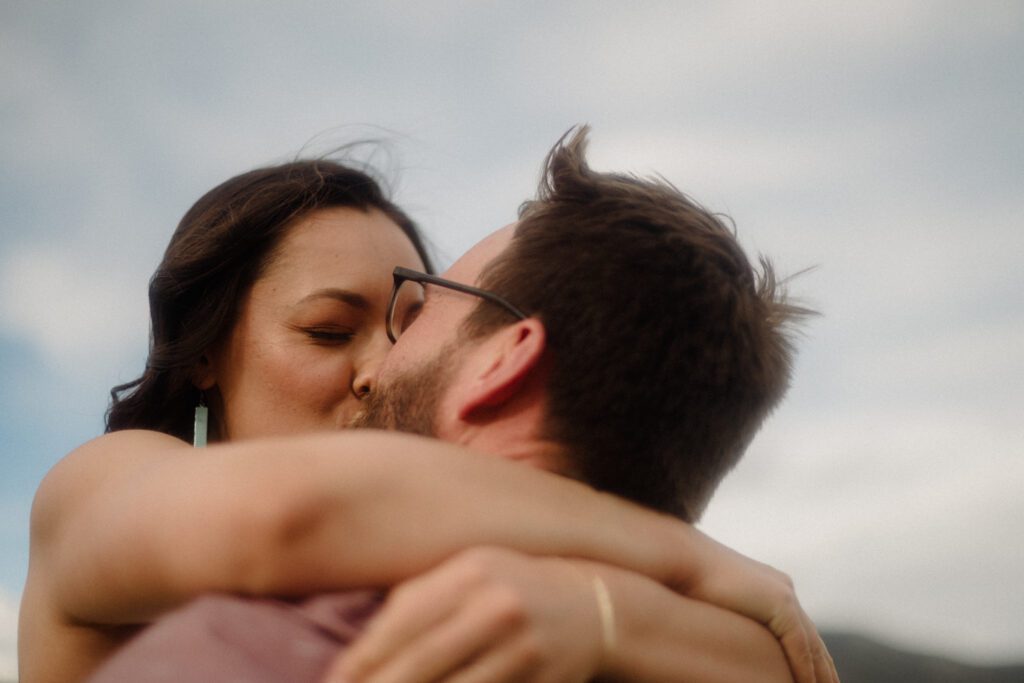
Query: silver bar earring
(201, 424)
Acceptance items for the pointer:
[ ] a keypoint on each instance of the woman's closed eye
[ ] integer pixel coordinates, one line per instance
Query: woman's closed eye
(329, 335)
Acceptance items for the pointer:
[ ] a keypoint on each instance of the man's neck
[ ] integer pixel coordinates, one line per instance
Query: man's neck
(515, 436)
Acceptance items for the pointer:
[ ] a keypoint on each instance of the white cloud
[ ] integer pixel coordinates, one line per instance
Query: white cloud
(79, 316)
(901, 523)
(8, 637)
(732, 161)
(976, 364)
(668, 60)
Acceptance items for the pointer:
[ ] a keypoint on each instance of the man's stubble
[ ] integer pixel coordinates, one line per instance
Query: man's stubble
(409, 402)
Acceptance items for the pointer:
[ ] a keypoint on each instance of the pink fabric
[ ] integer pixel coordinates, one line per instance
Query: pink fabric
(229, 639)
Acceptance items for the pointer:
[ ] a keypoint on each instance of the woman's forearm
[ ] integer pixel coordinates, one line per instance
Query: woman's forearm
(133, 524)
(419, 502)
(498, 615)
(662, 637)
(398, 505)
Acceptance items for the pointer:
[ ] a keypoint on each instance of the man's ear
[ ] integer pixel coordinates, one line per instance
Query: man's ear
(504, 364)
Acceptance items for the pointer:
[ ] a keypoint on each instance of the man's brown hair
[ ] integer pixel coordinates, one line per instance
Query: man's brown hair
(667, 348)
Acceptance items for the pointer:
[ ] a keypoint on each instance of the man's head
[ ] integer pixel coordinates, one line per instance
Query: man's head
(653, 351)
(485, 392)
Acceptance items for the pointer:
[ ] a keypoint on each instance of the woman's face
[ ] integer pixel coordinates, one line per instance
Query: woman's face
(310, 334)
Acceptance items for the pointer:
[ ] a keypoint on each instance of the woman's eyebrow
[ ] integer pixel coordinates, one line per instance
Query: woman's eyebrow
(354, 299)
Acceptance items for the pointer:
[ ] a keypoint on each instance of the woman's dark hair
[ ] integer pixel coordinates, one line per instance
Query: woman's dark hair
(219, 249)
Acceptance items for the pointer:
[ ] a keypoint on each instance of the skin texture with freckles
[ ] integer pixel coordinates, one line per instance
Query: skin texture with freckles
(310, 334)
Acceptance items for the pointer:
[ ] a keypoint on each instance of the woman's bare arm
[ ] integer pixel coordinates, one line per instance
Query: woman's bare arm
(497, 615)
(135, 523)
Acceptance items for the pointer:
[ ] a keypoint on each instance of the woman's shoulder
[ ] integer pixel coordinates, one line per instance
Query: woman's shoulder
(118, 450)
(85, 470)
(130, 438)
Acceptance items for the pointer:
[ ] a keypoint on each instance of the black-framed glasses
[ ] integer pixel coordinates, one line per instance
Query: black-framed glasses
(407, 298)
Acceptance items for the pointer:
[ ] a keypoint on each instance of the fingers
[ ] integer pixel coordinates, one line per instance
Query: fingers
(790, 631)
(411, 609)
(516, 663)
(824, 667)
(486, 615)
(440, 623)
(809, 660)
(821, 664)
(451, 644)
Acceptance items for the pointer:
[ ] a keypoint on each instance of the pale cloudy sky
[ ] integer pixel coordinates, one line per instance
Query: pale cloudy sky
(878, 141)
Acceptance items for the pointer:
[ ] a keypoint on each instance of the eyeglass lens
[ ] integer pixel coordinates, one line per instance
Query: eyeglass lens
(405, 306)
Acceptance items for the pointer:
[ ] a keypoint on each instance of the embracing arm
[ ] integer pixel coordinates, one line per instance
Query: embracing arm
(135, 523)
(491, 614)
(663, 637)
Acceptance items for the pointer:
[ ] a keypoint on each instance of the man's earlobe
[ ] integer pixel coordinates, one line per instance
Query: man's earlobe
(509, 361)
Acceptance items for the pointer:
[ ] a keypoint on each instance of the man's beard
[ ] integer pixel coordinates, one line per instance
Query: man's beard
(409, 403)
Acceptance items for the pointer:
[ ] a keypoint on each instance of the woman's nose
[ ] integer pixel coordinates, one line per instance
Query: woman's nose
(361, 389)
(364, 380)
(364, 377)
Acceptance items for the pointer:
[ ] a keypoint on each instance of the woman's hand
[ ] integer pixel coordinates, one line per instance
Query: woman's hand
(496, 615)
(738, 583)
(488, 615)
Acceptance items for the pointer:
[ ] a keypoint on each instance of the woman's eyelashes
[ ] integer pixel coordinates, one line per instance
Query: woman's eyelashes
(329, 335)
